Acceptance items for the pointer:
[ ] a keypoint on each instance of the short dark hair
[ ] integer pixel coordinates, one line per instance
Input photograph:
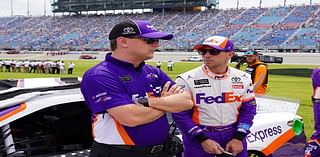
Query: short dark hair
(113, 44)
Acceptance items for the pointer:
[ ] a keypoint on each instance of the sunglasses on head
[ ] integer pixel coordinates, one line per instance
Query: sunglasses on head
(147, 40)
(211, 51)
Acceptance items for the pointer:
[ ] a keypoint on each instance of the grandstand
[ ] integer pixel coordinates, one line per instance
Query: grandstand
(78, 6)
(287, 29)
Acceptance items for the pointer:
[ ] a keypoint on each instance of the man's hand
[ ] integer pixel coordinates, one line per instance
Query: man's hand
(234, 146)
(166, 91)
(211, 147)
(173, 100)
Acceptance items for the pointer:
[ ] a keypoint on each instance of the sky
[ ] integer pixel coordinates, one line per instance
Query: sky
(43, 7)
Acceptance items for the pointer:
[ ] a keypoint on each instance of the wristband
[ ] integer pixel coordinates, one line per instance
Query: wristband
(239, 135)
(315, 100)
(201, 137)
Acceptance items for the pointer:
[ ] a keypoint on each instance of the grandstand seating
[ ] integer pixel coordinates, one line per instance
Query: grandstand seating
(287, 26)
(293, 26)
(308, 35)
(261, 26)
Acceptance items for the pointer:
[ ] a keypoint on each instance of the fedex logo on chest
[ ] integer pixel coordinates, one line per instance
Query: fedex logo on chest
(225, 97)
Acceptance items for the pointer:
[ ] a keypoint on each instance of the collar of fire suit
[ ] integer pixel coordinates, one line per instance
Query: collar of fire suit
(214, 75)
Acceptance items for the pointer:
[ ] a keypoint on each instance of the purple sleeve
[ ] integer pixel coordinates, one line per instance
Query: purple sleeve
(184, 119)
(103, 92)
(247, 113)
(316, 112)
(247, 110)
(315, 76)
(316, 102)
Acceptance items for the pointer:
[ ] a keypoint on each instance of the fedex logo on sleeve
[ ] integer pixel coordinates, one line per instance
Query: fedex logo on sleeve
(225, 97)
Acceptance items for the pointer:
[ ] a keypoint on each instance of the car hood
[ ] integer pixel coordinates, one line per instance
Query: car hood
(22, 97)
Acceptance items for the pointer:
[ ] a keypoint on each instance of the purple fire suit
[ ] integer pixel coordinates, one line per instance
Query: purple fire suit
(313, 147)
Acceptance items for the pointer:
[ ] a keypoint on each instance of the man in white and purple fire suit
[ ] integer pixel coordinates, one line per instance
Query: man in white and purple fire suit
(129, 98)
(313, 146)
(224, 103)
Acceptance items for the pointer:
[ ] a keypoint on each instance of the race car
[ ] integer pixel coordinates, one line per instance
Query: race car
(48, 117)
(277, 130)
(193, 59)
(43, 117)
(87, 56)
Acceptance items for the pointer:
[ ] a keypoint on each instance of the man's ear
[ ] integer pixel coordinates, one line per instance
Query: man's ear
(230, 54)
(123, 42)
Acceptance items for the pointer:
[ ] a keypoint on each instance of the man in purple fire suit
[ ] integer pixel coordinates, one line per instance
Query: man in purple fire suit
(224, 103)
(129, 98)
(313, 146)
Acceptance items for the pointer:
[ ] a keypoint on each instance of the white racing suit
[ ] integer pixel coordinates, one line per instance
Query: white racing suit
(224, 107)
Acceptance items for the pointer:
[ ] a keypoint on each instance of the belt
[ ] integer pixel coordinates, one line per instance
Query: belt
(149, 150)
(218, 128)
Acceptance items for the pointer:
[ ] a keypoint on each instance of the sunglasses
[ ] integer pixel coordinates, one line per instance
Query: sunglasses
(147, 40)
(213, 52)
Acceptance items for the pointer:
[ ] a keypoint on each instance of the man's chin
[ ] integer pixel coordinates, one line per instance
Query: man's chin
(150, 56)
(249, 62)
